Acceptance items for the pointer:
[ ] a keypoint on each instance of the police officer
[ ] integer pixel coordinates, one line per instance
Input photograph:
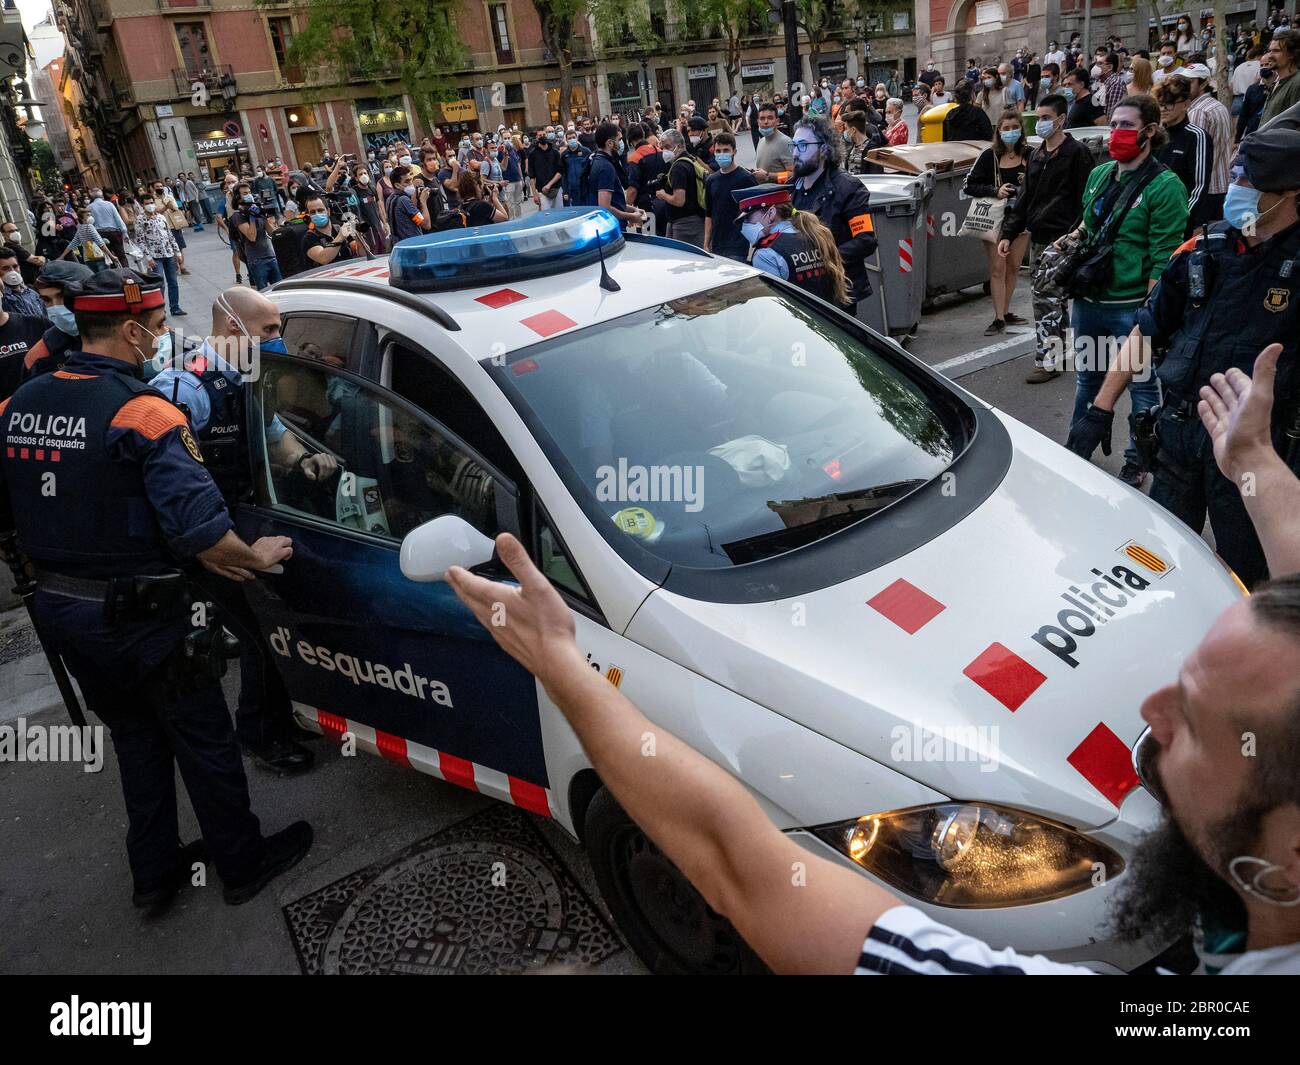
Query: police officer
(94, 454)
(840, 200)
(1227, 293)
(791, 244)
(61, 337)
(207, 383)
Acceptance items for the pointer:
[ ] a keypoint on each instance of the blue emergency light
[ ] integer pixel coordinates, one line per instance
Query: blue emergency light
(543, 243)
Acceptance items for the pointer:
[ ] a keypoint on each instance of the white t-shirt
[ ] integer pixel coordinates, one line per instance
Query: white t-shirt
(1057, 57)
(1245, 76)
(907, 942)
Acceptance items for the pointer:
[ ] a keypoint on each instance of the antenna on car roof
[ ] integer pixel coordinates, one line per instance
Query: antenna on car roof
(606, 282)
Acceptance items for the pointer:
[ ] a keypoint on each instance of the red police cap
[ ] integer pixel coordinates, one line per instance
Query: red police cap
(115, 292)
(760, 196)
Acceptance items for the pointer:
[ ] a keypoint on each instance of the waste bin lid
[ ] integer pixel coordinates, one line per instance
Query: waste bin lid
(883, 196)
(914, 186)
(915, 158)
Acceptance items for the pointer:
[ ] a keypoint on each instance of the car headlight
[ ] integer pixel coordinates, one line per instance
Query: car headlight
(972, 855)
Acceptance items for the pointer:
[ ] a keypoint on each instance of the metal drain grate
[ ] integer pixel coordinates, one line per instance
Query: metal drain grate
(487, 895)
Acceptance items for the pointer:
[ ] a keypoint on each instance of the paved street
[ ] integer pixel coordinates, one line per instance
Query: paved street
(65, 889)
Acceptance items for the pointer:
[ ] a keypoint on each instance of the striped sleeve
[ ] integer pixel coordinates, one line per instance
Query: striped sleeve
(1201, 164)
(906, 942)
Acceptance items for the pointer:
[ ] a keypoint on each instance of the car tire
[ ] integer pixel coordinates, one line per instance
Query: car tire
(661, 915)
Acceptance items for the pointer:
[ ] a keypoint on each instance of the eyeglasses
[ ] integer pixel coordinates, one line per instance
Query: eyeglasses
(1144, 752)
(803, 146)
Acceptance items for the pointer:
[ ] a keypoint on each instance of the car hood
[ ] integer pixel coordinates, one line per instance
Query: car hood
(1004, 661)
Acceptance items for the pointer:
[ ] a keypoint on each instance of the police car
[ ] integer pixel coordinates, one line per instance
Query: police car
(917, 630)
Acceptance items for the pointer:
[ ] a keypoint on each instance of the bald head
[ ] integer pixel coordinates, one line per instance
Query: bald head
(240, 304)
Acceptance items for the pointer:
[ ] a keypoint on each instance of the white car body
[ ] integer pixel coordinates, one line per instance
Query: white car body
(802, 697)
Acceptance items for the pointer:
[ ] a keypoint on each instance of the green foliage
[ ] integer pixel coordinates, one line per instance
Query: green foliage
(44, 162)
(349, 41)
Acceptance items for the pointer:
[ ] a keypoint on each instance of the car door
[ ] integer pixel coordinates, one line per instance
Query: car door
(349, 633)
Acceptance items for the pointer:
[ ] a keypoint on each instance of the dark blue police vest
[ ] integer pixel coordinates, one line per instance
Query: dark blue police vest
(222, 439)
(75, 506)
(1243, 301)
(803, 262)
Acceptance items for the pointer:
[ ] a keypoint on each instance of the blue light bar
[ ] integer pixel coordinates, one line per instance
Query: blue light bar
(543, 243)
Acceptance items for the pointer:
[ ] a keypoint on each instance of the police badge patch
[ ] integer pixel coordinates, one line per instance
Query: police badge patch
(131, 291)
(1277, 300)
(188, 440)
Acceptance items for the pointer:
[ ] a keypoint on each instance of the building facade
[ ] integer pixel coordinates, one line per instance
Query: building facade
(200, 85)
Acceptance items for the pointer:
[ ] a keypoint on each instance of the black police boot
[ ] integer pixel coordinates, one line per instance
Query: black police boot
(281, 755)
(280, 853)
(157, 894)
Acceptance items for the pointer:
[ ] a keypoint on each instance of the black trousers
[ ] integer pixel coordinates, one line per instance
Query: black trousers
(264, 712)
(158, 727)
(1188, 484)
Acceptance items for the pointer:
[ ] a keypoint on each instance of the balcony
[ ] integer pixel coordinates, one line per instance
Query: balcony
(183, 78)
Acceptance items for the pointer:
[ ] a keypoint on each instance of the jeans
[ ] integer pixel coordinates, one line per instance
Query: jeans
(264, 272)
(171, 281)
(1099, 330)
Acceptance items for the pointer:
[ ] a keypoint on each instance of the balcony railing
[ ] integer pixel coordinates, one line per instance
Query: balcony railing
(183, 78)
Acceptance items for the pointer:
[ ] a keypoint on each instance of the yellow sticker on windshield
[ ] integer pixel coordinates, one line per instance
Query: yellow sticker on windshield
(638, 522)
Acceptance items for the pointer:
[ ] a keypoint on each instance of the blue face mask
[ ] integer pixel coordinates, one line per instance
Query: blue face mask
(751, 231)
(1045, 127)
(1068, 92)
(767, 132)
(63, 318)
(320, 220)
(1009, 136)
(1241, 207)
(723, 159)
(275, 346)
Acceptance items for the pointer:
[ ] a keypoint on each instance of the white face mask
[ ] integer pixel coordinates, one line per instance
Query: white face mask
(668, 154)
(150, 208)
(13, 279)
(1166, 60)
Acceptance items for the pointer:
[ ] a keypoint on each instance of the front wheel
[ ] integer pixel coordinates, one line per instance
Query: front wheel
(664, 919)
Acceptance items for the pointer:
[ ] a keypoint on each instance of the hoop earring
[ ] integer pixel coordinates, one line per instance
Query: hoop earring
(1253, 888)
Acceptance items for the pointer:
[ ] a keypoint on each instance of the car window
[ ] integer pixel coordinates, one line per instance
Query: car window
(392, 469)
(730, 426)
(332, 339)
(555, 561)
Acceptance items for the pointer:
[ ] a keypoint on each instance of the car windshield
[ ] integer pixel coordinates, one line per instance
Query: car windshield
(732, 425)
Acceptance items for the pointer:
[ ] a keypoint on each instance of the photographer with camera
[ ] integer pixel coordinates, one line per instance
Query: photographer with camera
(255, 224)
(325, 242)
(408, 209)
(366, 198)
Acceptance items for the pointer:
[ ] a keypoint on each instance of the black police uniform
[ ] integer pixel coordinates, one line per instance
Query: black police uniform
(843, 204)
(264, 715)
(93, 452)
(1218, 304)
(803, 261)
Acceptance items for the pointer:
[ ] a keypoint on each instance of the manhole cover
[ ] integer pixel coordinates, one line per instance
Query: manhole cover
(487, 895)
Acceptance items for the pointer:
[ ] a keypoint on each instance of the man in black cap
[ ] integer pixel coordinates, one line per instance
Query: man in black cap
(61, 336)
(1227, 293)
(93, 453)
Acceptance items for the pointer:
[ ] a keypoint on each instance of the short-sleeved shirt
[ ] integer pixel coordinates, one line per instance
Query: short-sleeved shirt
(681, 175)
(185, 389)
(604, 177)
(1013, 93)
(316, 239)
(1084, 112)
(253, 249)
(725, 237)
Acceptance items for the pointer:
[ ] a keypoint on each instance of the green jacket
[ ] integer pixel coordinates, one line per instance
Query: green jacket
(1150, 232)
(1285, 94)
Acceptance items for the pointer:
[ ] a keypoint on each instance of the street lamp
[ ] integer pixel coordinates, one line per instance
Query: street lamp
(645, 80)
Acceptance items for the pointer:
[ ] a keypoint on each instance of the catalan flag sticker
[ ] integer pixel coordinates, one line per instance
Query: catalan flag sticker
(1146, 558)
(614, 675)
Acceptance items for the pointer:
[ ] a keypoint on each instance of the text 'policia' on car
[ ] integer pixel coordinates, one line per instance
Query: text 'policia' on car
(867, 554)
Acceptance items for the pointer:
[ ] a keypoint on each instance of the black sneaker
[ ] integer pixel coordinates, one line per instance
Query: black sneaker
(998, 325)
(1011, 318)
(280, 853)
(281, 755)
(1133, 475)
(156, 895)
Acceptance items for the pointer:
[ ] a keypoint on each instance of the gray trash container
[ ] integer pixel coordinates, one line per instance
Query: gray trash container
(899, 205)
(952, 262)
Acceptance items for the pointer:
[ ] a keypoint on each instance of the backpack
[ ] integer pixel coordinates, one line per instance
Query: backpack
(586, 195)
(286, 242)
(453, 219)
(701, 172)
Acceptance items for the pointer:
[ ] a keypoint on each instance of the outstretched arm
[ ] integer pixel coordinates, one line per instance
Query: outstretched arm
(695, 811)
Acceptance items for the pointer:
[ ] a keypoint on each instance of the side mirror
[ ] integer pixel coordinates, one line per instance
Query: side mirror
(434, 547)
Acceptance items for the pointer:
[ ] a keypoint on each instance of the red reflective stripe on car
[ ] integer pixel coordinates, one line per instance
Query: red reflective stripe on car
(457, 770)
(392, 748)
(333, 725)
(529, 797)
